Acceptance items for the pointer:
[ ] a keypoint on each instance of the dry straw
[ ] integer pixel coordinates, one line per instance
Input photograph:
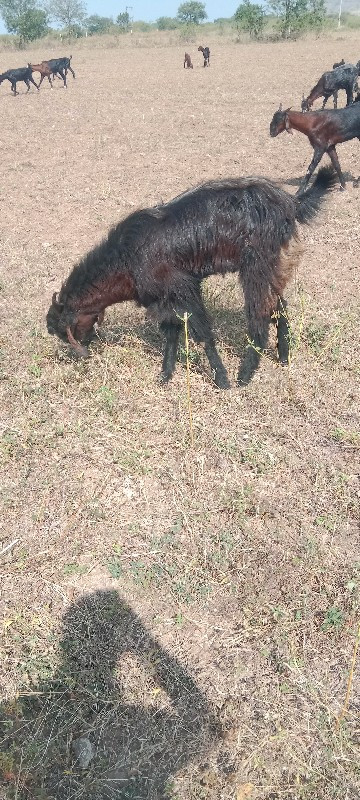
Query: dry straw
(350, 681)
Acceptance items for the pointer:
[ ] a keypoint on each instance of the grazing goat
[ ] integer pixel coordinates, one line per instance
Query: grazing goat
(159, 256)
(15, 75)
(206, 53)
(343, 77)
(324, 129)
(187, 61)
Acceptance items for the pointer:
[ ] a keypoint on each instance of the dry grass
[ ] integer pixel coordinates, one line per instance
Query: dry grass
(211, 657)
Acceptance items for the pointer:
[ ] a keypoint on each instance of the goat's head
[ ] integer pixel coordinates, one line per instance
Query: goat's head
(70, 326)
(280, 122)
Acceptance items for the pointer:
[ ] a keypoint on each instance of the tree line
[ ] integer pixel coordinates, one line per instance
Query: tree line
(30, 19)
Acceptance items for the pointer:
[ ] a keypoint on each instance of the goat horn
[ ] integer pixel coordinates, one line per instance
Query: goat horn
(280, 107)
(82, 351)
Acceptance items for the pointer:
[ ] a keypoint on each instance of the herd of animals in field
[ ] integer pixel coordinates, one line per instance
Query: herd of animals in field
(54, 67)
(326, 128)
(158, 257)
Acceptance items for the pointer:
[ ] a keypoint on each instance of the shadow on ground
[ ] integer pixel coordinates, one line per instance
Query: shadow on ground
(139, 709)
(296, 181)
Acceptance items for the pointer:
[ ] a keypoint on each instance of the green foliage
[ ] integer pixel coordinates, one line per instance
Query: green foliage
(142, 26)
(334, 618)
(295, 16)
(23, 18)
(70, 14)
(96, 24)
(191, 13)
(123, 21)
(167, 23)
(250, 17)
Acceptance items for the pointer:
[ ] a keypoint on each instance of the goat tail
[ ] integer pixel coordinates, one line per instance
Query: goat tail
(309, 203)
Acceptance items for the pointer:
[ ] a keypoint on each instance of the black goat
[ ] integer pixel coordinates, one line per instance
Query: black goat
(158, 257)
(206, 53)
(60, 67)
(16, 75)
(343, 77)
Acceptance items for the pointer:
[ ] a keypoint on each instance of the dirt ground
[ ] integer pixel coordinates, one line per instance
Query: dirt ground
(191, 611)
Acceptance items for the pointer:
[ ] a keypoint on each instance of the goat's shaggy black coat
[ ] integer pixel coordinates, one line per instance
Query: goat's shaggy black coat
(158, 257)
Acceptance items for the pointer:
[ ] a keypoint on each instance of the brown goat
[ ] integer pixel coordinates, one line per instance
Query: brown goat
(324, 129)
(45, 71)
(187, 61)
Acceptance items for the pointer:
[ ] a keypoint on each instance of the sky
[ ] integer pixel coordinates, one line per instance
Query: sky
(150, 11)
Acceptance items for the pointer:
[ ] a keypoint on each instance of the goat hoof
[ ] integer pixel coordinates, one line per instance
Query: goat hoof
(242, 381)
(222, 382)
(164, 378)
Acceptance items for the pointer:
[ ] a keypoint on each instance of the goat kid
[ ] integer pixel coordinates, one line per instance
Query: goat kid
(21, 74)
(187, 61)
(206, 53)
(324, 129)
(159, 257)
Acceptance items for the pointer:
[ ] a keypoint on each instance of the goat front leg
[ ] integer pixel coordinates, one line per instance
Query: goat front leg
(318, 154)
(172, 334)
(63, 77)
(31, 79)
(349, 96)
(336, 164)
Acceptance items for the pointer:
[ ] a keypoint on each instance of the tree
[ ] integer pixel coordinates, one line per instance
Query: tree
(123, 21)
(296, 15)
(167, 23)
(191, 13)
(317, 14)
(69, 13)
(96, 24)
(24, 18)
(250, 17)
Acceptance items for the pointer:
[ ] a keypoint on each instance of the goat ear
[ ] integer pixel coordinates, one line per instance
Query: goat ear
(55, 303)
(288, 109)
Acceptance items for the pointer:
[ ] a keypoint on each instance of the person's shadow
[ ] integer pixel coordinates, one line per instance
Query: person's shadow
(140, 713)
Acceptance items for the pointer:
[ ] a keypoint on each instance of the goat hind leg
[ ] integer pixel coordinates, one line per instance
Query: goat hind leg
(172, 334)
(318, 154)
(283, 331)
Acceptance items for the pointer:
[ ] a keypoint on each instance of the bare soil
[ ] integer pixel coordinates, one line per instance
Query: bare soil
(192, 611)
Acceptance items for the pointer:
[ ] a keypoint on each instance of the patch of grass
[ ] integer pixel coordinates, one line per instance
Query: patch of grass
(334, 619)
